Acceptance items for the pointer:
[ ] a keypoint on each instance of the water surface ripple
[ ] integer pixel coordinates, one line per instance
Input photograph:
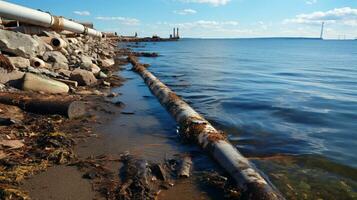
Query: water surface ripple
(272, 96)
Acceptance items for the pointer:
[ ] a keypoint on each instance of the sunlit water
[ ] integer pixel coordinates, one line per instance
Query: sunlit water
(272, 96)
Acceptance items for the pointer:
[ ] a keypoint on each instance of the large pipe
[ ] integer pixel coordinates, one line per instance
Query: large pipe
(194, 126)
(31, 16)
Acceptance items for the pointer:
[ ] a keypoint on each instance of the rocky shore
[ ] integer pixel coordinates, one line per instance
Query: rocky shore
(51, 86)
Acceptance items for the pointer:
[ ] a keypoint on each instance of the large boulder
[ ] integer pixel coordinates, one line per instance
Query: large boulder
(83, 77)
(19, 62)
(33, 82)
(20, 44)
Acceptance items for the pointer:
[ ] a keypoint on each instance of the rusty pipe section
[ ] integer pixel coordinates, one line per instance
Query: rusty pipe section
(194, 126)
(39, 18)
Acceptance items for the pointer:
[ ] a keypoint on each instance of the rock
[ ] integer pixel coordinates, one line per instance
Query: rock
(20, 44)
(95, 69)
(60, 65)
(6, 76)
(98, 93)
(42, 42)
(2, 155)
(64, 72)
(51, 34)
(5, 63)
(12, 144)
(64, 52)
(68, 82)
(107, 62)
(83, 77)
(105, 83)
(37, 83)
(42, 71)
(102, 75)
(112, 94)
(19, 62)
(54, 57)
(86, 62)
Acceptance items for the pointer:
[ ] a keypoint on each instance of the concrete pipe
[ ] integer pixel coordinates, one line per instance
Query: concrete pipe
(37, 63)
(39, 18)
(58, 43)
(195, 127)
(78, 52)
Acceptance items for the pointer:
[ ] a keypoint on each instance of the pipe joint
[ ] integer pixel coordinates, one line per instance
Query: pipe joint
(85, 32)
(57, 23)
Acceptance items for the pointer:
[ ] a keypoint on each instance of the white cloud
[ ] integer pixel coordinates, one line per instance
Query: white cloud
(121, 20)
(82, 13)
(212, 2)
(345, 15)
(187, 11)
(207, 24)
(310, 2)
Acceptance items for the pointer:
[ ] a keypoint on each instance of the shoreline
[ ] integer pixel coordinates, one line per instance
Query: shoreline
(50, 143)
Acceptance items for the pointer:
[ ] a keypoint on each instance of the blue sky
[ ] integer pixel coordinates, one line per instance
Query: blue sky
(211, 18)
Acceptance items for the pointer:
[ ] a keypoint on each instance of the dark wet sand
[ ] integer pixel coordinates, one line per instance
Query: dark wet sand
(59, 183)
(149, 133)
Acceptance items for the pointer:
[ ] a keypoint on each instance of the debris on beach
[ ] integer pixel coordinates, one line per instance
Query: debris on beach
(50, 82)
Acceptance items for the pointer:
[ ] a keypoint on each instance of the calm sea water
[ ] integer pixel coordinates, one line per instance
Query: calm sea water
(275, 97)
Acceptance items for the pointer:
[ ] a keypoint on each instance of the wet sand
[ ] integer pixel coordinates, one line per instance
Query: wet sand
(142, 128)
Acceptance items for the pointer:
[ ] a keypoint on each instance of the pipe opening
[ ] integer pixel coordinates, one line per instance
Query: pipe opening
(37, 64)
(56, 42)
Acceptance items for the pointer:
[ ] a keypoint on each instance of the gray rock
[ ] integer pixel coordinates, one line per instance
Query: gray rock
(19, 62)
(86, 59)
(83, 77)
(48, 72)
(86, 62)
(54, 57)
(39, 40)
(42, 71)
(37, 83)
(33, 70)
(60, 65)
(20, 44)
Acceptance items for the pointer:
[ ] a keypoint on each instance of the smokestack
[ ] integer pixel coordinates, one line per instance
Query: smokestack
(174, 35)
(177, 33)
(322, 30)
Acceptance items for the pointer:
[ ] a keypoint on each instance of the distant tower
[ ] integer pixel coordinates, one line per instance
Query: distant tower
(322, 30)
(174, 35)
(177, 33)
